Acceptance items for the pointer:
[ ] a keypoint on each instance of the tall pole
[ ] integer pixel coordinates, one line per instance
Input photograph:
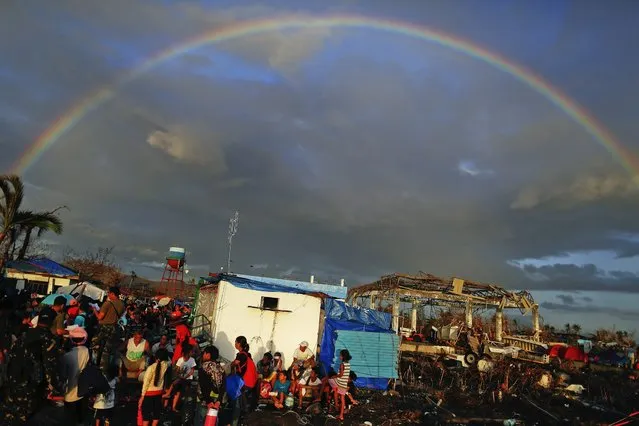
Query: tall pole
(233, 223)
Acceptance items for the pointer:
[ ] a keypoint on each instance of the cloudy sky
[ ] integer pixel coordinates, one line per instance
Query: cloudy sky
(349, 152)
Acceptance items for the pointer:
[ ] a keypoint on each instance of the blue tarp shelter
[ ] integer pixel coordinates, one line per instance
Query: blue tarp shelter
(367, 335)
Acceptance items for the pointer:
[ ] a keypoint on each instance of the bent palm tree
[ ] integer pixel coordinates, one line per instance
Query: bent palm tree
(39, 222)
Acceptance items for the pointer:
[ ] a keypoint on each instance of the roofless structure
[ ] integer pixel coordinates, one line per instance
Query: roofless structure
(425, 289)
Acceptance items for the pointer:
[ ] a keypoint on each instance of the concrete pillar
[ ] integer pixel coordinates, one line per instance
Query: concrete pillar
(372, 302)
(50, 286)
(413, 318)
(499, 324)
(535, 320)
(396, 314)
(469, 314)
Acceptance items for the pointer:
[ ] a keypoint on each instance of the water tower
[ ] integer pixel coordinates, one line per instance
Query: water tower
(173, 277)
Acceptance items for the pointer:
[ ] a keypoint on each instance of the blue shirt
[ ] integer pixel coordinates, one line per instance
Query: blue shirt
(281, 387)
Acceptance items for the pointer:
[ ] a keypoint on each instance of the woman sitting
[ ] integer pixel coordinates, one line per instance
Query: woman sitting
(134, 361)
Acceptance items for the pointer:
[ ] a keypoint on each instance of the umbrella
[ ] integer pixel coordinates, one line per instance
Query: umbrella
(164, 301)
(51, 298)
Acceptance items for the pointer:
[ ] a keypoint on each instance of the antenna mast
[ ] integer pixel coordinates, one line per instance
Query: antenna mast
(233, 223)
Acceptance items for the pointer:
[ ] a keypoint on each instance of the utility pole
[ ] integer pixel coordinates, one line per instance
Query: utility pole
(233, 223)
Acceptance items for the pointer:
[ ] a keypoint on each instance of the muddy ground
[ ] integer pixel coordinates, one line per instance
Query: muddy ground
(509, 394)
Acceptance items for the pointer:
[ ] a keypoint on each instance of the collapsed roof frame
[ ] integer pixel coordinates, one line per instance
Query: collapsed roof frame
(427, 289)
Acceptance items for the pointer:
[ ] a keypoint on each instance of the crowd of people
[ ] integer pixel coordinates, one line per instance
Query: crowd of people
(78, 354)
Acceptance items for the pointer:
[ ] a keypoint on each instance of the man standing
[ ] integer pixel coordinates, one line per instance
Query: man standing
(58, 328)
(108, 316)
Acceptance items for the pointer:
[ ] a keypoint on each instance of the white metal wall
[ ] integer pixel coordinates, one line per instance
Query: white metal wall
(265, 330)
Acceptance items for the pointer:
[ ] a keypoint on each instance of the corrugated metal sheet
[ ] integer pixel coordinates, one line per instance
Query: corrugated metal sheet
(374, 354)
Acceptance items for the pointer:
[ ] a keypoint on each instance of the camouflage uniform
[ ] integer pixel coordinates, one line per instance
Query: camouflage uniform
(25, 379)
(102, 345)
(50, 361)
(20, 403)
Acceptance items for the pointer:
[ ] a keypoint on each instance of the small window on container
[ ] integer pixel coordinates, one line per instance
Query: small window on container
(270, 303)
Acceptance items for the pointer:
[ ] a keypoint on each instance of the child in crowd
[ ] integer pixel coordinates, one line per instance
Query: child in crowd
(280, 389)
(339, 383)
(352, 390)
(105, 402)
(312, 384)
(185, 366)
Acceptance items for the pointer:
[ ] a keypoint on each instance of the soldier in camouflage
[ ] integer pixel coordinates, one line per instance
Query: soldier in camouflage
(25, 378)
(108, 316)
(50, 352)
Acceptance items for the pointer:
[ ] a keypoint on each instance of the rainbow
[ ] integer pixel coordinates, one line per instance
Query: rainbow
(290, 22)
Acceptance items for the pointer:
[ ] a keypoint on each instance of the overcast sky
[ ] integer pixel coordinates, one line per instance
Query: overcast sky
(348, 152)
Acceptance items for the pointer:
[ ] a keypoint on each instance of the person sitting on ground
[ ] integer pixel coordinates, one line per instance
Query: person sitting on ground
(303, 356)
(277, 362)
(185, 367)
(162, 344)
(296, 374)
(265, 366)
(280, 389)
(156, 378)
(134, 360)
(351, 393)
(311, 384)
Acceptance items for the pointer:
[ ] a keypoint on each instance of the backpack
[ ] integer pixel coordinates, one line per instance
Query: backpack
(265, 389)
(234, 384)
(92, 382)
(250, 377)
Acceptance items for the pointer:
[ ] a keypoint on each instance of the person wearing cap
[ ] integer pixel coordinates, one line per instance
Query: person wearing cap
(108, 315)
(73, 362)
(303, 356)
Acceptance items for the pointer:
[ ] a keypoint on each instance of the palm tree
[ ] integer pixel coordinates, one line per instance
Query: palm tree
(13, 220)
(39, 222)
(576, 329)
(567, 327)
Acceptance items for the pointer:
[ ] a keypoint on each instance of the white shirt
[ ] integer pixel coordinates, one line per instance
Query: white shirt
(106, 401)
(302, 356)
(73, 362)
(309, 382)
(185, 367)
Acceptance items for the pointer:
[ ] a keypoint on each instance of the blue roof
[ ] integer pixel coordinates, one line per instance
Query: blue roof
(335, 291)
(41, 266)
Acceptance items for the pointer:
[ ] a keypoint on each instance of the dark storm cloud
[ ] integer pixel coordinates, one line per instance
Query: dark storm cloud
(343, 161)
(566, 299)
(580, 277)
(624, 314)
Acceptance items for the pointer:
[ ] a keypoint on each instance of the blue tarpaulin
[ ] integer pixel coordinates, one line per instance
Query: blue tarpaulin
(339, 316)
(251, 284)
(41, 266)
